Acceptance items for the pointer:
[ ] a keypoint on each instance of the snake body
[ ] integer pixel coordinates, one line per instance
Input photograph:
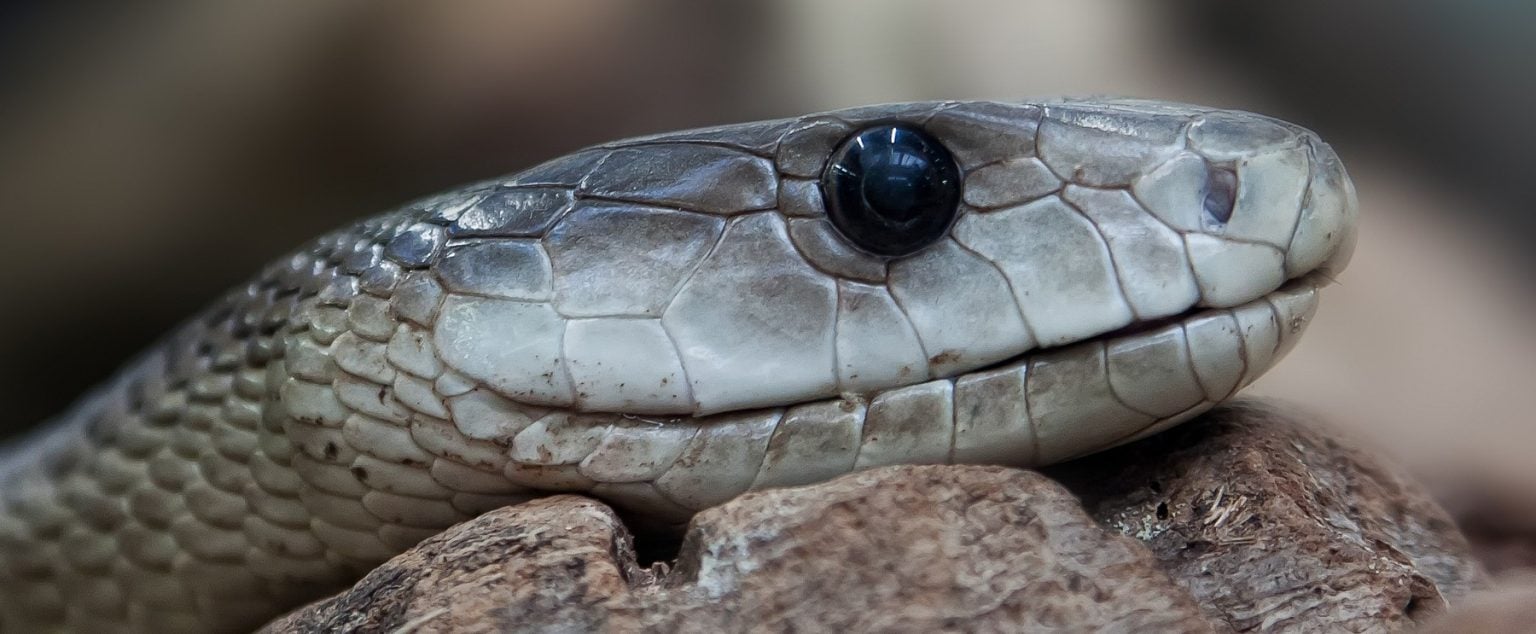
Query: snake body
(665, 323)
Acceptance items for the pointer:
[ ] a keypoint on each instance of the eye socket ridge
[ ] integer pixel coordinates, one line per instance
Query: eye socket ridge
(891, 189)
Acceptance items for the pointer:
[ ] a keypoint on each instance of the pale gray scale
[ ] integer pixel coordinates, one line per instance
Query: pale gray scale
(1270, 187)
(742, 354)
(1175, 191)
(1072, 405)
(228, 475)
(1059, 267)
(369, 317)
(626, 365)
(512, 212)
(876, 344)
(1216, 353)
(960, 306)
(987, 133)
(443, 440)
(909, 425)
(547, 479)
(559, 439)
(722, 460)
(267, 536)
(1152, 372)
(419, 395)
(546, 454)
(374, 398)
(1149, 257)
(1224, 137)
(992, 422)
(313, 404)
(411, 350)
(528, 366)
(220, 510)
(483, 415)
(1009, 182)
(452, 383)
(1137, 107)
(1103, 148)
(688, 176)
(380, 439)
(1231, 273)
(613, 259)
(812, 443)
(411, 511)
(1294, 308)
(1325, 230)
(637, 450)
(804, 150)
(825, 248)
(466, 479)
(1259, 327)
(363, 358)
(418, 298)
(308, 360)
(501, 268)
(270, 477)
(341, 511)
(324, 323)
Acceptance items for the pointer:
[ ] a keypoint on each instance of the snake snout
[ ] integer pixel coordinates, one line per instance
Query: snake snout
(1325, 232)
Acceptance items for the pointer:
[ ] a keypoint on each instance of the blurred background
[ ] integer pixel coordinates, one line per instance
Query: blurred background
(154, 154)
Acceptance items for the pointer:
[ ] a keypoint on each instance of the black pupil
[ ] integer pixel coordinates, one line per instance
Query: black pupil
(891, 189)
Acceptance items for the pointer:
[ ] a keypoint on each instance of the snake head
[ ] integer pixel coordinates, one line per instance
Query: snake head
(1029, 281)
(700, 272)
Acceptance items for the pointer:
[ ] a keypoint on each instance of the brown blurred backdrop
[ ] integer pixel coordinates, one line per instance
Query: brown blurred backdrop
(152, 155)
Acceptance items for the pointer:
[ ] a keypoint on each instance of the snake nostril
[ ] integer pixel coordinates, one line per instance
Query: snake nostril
(1220, 194)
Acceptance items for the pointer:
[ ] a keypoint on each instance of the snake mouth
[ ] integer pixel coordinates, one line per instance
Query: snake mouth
(1290, 307)
(1305, 283)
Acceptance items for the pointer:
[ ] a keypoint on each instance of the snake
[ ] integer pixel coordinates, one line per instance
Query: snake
(667, 322)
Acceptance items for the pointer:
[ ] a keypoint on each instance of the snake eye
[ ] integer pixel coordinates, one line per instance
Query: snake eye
(1220, 194)
(891, 189)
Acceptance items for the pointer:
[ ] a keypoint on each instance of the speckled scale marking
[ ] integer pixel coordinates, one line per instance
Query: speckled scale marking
(665, 323)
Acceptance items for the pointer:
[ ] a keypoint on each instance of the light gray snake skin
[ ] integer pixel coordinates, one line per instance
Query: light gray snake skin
(665, 323)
